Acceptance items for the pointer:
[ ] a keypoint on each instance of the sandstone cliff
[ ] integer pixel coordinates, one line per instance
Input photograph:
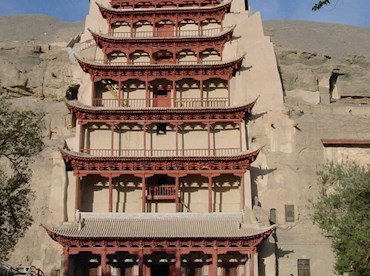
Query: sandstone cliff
(36, 70)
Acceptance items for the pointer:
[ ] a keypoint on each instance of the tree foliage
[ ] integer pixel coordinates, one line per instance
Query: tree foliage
(20, 139)
(320, 4)
(343, 211)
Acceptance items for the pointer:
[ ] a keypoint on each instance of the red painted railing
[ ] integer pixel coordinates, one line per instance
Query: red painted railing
(161, 192)
(141, 63)
(160, 3)
(166, 102)
(172, 33)
(161, 152)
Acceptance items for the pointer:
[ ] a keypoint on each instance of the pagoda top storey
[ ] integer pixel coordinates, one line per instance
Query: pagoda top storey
(139, 4)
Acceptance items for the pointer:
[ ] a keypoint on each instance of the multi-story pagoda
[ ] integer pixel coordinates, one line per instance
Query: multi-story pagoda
(158, 171)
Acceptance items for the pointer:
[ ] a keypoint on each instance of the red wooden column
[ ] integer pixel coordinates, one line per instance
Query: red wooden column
(243, 190)
(241, 135)
(210, 209)
(104, 266)
(147, 94)
(209, 137)
(141, 263)
(81, 138)
(144, 133)
(110, 193)
(178, 262)
(77, 192)
(228, 92)
(143, 193)
(174, 91)
(112, 139)
(213, 270)
(66, 261)
(177, 138)
(93, 92)
(251, 264)
(201, 92)
(177, 201)
(120, 101)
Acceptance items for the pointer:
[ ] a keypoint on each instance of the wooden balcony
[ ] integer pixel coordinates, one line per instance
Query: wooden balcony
(161, 192)
(146, 63)
(169, 34)
(121, 4)
(165, 102)
(160, 153)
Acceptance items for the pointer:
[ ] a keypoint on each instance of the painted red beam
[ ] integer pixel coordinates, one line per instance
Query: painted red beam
(87, 114)
(345, 143)
(162, 4)
(118, 71)
(119, 41)
(236, 164)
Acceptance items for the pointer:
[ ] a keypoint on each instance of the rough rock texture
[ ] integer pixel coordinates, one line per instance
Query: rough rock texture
(33, 69)
(309, 51)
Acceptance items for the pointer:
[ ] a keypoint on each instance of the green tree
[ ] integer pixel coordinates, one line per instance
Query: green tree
(20, 139)
(343, 211)
(320, 4)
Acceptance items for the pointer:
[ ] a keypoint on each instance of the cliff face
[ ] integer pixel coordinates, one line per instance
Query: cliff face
(36, 70)
(307, 52)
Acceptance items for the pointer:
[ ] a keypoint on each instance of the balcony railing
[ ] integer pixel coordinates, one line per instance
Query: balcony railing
(171, 33)
(134, 3)
(158, 102)
(166, 191)
(140, 63)
(161, 152)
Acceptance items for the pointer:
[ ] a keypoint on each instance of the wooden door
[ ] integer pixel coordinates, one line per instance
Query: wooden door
(162, 97)
(165, 30)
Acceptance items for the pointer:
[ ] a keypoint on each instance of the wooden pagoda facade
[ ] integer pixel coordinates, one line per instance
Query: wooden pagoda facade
(160, 160)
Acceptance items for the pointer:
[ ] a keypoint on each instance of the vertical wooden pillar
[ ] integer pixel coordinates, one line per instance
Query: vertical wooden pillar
(178, 262)
(210, 209)
(143, 193)
(209, 138)
(228, 92)
(144, 133)
(174, 92)
(132, 29)
(177, 139)
(120, 101)
(240, 136)
(104, 266)
(177, 202)
(110, 194)
(65, 261)
(81, 138)
(201, 92)
(243, 191)
(112, 140)
(93, 103)
(77, 193)
(199, 28)
(251, 264)
(147, 94)
(214, 263)
(141, 263)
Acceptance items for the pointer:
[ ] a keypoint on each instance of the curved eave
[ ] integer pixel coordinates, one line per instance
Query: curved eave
(87, 65)
(104, 10)
(75, 106)
(103, 38)
(70, 155)
(58, 232)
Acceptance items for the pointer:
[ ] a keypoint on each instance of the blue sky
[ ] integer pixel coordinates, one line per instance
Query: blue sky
(353, 12)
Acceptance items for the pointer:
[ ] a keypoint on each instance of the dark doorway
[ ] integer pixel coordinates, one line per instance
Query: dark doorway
(160, 270)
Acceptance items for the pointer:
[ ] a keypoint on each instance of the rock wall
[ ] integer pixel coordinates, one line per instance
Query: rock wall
(34, 76)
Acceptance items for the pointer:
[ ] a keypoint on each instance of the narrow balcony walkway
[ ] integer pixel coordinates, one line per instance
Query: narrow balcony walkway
(160, 152)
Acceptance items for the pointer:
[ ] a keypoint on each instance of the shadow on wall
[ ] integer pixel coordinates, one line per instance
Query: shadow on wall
(267, 249)
(256, 172)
